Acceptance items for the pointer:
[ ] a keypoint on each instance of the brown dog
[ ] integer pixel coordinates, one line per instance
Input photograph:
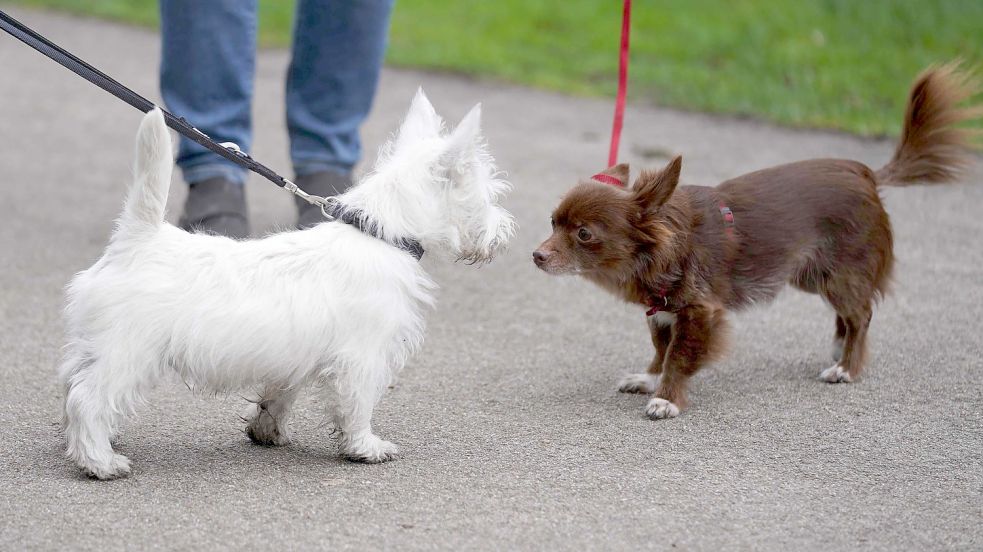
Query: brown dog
(690, 254)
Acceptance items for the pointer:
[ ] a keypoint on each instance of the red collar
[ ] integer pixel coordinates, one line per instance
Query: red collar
(657, 303)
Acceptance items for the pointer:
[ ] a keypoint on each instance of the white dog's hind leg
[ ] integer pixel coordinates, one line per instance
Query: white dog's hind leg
(268, 423)
(356, 392)
(95, 400)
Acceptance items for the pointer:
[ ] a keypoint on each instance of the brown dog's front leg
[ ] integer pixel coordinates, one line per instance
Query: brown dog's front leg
(661, 337)
(698, 337)
(646, 382)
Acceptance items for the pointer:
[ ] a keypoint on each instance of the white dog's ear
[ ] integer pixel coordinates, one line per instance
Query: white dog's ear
(421, 121)
(464, 142)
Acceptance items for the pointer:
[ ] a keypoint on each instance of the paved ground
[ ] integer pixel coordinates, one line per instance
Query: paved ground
(513, 434)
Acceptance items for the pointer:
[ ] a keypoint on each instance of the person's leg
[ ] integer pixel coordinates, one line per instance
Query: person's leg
(206, 76)
(338, 48)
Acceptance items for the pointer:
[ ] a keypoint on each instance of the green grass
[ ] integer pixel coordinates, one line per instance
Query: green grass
(842, 64)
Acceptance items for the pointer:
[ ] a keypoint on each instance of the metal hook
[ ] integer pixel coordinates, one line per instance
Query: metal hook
(322, 202)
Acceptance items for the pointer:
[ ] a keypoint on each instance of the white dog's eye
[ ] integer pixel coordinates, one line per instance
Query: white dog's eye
(584, 234)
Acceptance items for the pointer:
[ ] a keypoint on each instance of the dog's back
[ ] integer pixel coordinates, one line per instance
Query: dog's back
(798, 222)
(807, 220)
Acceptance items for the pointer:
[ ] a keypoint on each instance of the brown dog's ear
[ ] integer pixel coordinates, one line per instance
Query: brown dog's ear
(653, 188)
(615, 176)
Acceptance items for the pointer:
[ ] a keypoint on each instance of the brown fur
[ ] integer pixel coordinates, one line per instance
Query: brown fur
(818, 225)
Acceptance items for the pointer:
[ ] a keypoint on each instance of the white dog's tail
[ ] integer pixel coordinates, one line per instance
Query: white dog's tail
(147, 197)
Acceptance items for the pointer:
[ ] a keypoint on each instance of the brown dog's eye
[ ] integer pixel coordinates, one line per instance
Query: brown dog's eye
(552, 223)
(584, 234)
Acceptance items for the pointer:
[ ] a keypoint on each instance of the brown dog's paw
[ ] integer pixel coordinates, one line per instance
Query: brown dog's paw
(637, 383)
(835, 374)
(659, 409)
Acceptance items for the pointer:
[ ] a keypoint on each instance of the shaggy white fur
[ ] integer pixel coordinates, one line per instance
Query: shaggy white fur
(330, 306)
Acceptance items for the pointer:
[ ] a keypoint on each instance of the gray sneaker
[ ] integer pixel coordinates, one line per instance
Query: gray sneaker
(216, 206)
(325, 184)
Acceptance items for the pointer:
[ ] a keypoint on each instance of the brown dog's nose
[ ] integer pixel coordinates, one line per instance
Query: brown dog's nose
(539, 257)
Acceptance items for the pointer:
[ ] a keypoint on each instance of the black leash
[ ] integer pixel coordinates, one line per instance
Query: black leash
(68, 60)
(331, 209)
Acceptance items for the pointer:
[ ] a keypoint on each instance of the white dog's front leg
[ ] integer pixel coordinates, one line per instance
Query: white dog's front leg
(357, 391)
(268, 423)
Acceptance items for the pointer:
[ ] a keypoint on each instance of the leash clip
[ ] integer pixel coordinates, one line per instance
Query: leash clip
(322, 202)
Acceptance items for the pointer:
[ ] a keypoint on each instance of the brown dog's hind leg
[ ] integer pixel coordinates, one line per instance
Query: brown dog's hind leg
(851, 295)
(854, 350)
(698, 337)
(839, 338)
(646, 382)
(852, 291)
(854, 356)
(811, 279)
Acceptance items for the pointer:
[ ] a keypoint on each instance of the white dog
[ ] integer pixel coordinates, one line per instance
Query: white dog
(335, 305)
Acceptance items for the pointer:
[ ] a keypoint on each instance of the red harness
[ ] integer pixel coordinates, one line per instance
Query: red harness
(608, 179)
(728, 217)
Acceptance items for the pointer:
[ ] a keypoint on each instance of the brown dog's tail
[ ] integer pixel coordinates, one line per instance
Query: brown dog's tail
(932, 149)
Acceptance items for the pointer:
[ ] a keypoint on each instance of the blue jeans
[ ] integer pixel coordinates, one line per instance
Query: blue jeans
(208, 63)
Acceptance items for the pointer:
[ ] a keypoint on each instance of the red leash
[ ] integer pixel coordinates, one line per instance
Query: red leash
(659, 302)
(619, 106)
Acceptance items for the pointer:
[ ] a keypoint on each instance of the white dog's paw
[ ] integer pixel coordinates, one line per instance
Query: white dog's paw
(118, 466)
(371, 450)
(637, 383)
(835, 374)
(264, 430)
(659, 409)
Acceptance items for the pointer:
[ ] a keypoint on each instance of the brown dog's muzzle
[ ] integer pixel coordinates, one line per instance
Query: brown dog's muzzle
(548, 258)
(541, 257)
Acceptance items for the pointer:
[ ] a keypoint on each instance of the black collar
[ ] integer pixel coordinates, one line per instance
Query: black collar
(355, 218)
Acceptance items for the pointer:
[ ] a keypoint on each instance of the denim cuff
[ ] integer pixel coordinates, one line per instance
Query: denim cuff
(304, 167)
(207, 171)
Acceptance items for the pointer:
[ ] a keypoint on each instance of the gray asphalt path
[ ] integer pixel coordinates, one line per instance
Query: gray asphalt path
(512, 432)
